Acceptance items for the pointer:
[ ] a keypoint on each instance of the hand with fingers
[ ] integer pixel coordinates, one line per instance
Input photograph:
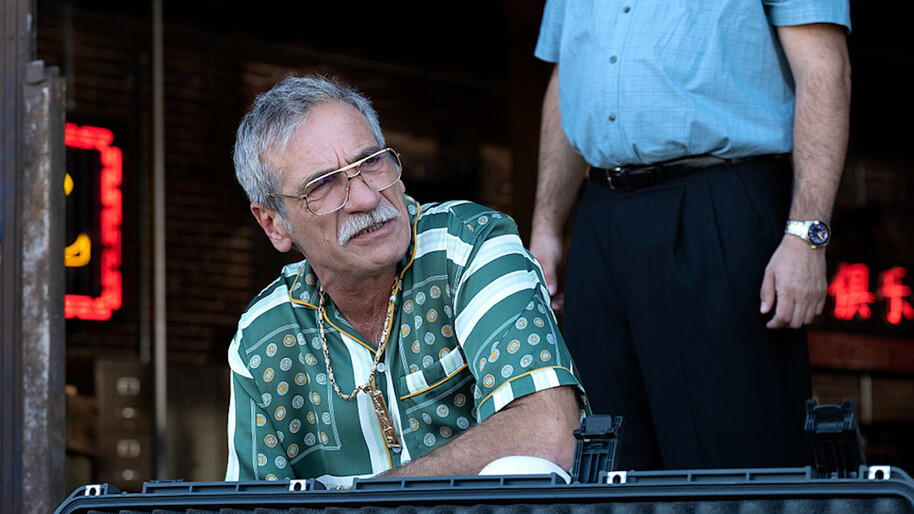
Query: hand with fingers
(549, 250)
(795, 285)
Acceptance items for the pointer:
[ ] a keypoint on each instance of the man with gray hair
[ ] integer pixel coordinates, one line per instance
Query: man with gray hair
(411, 340)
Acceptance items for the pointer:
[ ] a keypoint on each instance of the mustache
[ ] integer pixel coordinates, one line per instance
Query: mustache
(359, 222)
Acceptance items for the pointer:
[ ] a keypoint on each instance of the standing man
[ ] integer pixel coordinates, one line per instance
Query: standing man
(411, 340)
(715, 133)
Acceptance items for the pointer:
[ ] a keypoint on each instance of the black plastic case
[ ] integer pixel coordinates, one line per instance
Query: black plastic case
(878, 489)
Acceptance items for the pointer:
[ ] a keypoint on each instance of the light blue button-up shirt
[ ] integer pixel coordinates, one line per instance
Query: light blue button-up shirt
(644, 81)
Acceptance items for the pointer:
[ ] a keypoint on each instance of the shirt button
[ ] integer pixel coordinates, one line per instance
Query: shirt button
(626, 9)
(612, 117)
(613, 59)
(382, 367)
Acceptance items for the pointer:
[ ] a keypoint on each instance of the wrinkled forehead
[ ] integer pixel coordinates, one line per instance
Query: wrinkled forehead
(327, 115)
(329, 136)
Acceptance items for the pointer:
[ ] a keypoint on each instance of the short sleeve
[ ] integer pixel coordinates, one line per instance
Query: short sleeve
(550, 38)
(255, 449)
(803, 12)
(505, 326)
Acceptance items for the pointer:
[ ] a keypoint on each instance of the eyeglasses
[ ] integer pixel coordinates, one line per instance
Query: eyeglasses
(330, 192)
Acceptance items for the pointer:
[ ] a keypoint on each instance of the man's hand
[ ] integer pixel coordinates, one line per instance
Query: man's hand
(561, 172)
(795, 283)
(548, 249)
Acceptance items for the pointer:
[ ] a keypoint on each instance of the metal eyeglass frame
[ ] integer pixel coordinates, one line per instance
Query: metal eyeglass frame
(357, 165)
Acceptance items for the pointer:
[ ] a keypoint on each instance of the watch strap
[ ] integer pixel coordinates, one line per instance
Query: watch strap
(803, 228)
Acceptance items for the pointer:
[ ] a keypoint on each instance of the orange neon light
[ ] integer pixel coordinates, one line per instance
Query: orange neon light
(111, 297)
(79, 253)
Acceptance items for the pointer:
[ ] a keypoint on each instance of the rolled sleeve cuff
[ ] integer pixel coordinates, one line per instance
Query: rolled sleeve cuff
(530, 382)
(807, 12)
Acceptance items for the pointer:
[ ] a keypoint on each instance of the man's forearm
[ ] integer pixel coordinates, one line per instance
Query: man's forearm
(537, 425)
(794, 284)
(561, 169)
(821, 67)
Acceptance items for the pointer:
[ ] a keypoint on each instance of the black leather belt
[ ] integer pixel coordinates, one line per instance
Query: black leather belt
(630, 178)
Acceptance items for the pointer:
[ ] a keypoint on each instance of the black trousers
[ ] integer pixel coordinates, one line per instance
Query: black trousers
(662, 318)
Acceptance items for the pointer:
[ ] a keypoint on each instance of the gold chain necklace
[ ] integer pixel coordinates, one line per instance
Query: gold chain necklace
(377, 399)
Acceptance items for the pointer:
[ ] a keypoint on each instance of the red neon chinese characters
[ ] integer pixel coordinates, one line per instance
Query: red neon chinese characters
(110, 299)
(851, 291)
(894, 292)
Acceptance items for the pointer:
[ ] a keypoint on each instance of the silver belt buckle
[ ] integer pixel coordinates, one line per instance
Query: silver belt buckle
(614, 174)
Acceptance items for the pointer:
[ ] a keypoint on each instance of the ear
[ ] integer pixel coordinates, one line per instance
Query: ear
(273, 227)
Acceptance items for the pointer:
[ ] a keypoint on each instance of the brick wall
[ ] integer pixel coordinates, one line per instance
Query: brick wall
(217, 257)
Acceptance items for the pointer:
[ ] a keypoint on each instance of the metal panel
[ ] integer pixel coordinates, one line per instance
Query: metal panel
(17, 49)
(31, 357)
(125, 425)
(43, 345)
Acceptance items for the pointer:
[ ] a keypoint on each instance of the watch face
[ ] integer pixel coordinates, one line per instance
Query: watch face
(818, 234)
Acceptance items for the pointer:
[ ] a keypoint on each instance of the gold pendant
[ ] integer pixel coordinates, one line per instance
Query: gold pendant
(387, 426)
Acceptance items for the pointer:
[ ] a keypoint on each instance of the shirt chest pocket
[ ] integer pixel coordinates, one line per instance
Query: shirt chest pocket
(436, 403)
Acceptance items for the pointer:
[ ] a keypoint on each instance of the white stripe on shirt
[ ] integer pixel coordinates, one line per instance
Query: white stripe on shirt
(438, 239)
(452, 362)
(236, 363)
(503, 396)
(232, 471)
(492, 249)
(492, 294)
(545, 378)
(416, 381)
(374, 443)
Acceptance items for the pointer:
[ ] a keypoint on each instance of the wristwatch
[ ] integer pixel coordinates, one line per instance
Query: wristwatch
(814, 231)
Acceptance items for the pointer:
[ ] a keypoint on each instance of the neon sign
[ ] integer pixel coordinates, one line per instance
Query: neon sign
(850, 290)
(79, 252)
(894, 293)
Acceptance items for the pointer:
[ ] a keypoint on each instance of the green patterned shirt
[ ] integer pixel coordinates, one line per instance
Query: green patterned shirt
(471, 331)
